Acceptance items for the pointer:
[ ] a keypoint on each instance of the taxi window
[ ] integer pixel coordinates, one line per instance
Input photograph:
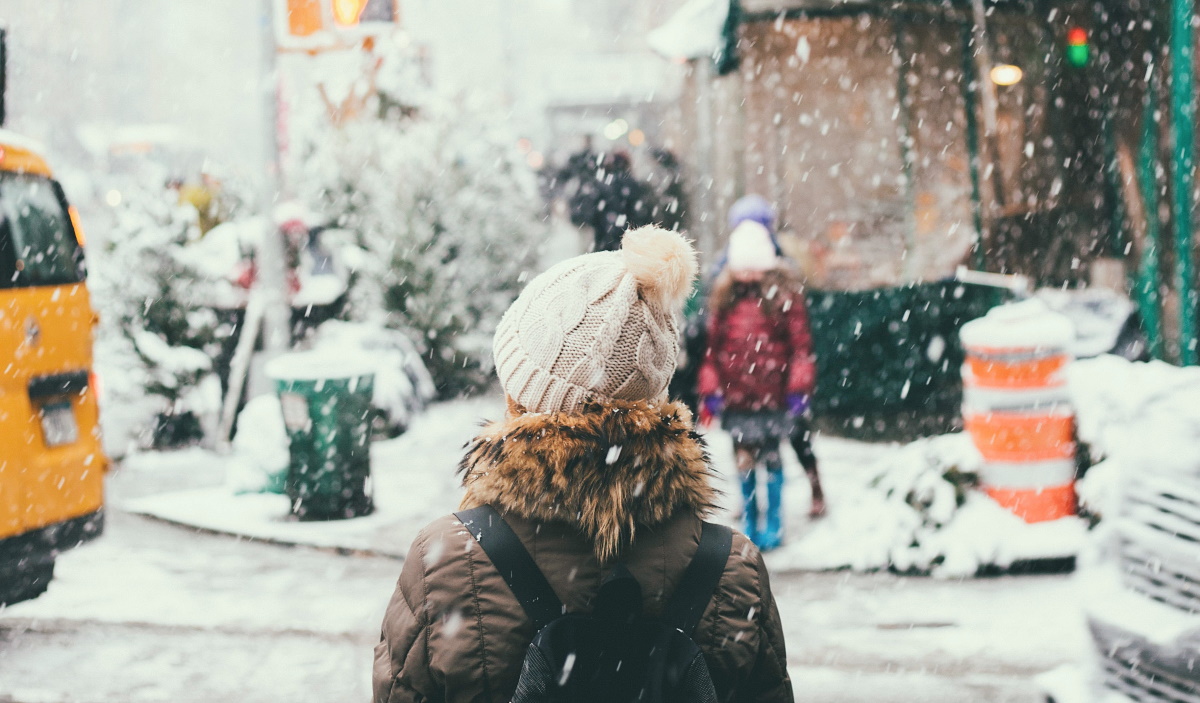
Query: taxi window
(37, 242)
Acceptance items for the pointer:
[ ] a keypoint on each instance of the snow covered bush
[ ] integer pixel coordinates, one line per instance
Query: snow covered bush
(260, 448)
(156, 339)
(932, 476)
(439, 197)
(923, 514)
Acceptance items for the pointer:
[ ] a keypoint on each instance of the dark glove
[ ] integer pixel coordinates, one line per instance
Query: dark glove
(797, 404)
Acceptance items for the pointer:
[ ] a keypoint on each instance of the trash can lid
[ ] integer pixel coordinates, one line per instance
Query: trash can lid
(1024, 325)
(317, 365)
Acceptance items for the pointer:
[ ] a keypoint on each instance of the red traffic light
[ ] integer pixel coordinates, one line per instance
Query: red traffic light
(1077, 36)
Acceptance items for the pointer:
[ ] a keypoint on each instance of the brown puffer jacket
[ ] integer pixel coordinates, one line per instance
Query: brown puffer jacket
(622, 482)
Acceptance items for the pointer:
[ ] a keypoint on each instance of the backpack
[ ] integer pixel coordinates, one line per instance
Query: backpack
(615, 653)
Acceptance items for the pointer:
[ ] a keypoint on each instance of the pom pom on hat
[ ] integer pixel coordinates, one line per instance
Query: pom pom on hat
(751, 248)
(662, 262)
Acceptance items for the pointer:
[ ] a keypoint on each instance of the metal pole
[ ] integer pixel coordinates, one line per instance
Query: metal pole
(703, 73)
(1117, 242)
(904, 129)
(1183, 111)
(1148, 274)
(271, 266)
(267, 310)
(3, 75)
(987, 97)
(970, 84)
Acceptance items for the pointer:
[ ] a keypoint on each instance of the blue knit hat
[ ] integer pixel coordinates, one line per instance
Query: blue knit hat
(754, 208)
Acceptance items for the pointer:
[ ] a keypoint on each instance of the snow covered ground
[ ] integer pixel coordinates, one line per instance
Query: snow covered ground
(190, 616)
(168, 606)
(414, 477)
(154, 612)
(415, 481)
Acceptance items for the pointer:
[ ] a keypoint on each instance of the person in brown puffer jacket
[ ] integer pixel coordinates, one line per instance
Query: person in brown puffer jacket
(591, 467)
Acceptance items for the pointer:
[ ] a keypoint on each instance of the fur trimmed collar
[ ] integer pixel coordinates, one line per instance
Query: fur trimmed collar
(606, 470)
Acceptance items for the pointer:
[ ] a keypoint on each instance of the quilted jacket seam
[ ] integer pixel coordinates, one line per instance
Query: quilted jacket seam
(487, 679)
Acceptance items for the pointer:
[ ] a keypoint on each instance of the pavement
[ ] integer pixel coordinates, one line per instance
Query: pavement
(415, 481)
(152, 612)
(156, 612)
(193, 594)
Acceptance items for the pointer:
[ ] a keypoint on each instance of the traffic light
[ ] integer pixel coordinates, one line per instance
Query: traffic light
(347, 12)
(1077, 47)
(305, 18)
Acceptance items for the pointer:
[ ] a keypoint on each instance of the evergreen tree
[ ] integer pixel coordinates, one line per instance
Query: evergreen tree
(443, 203)
(157, 332)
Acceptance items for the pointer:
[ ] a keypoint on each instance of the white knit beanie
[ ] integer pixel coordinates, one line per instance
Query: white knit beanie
(751, 248)
(598, 326)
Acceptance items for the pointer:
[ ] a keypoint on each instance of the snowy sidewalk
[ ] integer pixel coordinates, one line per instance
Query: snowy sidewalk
(415, 482)
(414, 478)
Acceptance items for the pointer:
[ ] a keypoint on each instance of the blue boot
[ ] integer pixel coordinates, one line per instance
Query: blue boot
(750, 505)
(772, 536)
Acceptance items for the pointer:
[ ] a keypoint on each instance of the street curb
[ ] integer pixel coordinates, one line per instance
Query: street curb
(343, 551)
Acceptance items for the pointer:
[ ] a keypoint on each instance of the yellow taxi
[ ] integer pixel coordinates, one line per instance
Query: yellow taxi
(51, 463)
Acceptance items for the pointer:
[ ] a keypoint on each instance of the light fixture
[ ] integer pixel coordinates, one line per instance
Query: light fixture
(1006, 74)
(616, 129)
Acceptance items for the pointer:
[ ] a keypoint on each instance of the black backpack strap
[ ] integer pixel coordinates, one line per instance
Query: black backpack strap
(510, 557)
(700, 579)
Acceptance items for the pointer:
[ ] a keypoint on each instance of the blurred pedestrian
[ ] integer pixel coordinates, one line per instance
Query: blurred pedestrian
(597, 475)
(562, 182)
(755, 208)
(612, 201)
(669, 207)
(758, 374)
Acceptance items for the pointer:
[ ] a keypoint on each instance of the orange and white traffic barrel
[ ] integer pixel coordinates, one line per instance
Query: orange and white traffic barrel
(1017, 411)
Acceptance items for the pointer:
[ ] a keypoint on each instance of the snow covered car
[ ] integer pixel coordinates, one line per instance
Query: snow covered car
(1143, 591)
(1105, 322)
(1143, 615)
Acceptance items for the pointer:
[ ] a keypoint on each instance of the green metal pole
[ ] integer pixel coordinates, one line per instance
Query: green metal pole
(1117, 241)
(1183, 111)
(1148, 274)
(970, 84)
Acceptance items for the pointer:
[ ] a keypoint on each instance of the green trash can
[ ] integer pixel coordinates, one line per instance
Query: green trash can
(326, 401)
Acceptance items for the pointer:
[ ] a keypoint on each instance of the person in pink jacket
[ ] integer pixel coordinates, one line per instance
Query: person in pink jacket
(758, 372)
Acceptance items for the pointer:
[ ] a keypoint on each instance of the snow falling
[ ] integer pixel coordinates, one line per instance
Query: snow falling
(261, 266)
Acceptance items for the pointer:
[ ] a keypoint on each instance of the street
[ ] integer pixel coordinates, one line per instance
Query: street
(155, 612)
